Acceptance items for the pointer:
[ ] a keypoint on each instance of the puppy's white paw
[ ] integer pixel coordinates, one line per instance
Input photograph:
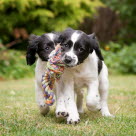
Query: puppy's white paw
(73, 119)
(93, 104)
(61, 111)
(107, 114)
(62, 114)
(44, 109)
(41, 102)
(93, 108)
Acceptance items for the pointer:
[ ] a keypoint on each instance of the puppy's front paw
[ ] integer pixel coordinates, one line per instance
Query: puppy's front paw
(106, 113)
(44, 109)
(62, 114)
(73, 119)
(93, 105)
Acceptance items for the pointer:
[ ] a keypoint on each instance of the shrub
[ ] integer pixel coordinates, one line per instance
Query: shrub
(121, 59)
(127, 59)
(40, 16)
(13, 65)
(126, 10)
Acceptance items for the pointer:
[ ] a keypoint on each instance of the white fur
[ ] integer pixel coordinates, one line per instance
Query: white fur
(74, 37)
(85, 74)
(60, 102)
(39, 70)
(51, 36)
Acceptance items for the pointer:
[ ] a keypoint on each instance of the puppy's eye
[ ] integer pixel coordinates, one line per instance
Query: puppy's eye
(66, 45)
(81, 49)
(47, 48)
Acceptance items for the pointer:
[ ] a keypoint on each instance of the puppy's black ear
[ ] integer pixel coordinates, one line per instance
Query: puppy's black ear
(95, 44)
(60, 39)
(32, 49)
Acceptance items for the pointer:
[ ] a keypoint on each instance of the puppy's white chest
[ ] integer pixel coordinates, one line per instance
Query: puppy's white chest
(85, 75)
(81, 78)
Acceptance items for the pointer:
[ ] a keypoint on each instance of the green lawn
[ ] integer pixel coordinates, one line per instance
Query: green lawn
(19, 115)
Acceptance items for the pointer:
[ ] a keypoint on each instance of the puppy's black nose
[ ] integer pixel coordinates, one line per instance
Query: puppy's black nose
(68, 59)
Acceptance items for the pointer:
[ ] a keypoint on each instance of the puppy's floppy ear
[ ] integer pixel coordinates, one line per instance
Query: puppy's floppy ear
(60, 39)
(32, 49)
(95, 44)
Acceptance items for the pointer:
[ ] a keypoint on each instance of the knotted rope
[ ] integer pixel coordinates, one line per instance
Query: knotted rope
(55, 68)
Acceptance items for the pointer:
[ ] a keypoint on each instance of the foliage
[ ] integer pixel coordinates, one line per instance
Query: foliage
(126, 9)
(127, 59)
(121, 59)
(13, 65)
(40, 16)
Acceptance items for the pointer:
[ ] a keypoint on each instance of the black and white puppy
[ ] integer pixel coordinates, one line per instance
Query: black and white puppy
(40, 47)
(82, 54)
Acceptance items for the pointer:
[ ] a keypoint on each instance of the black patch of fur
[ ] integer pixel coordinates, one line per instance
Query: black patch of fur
(32, 49)
(99, 66)
(96, 47)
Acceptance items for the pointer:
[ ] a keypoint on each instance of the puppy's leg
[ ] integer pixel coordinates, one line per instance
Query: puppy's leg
(103, 89)
(60, 101)
(69, 93)
(79, 101)
(93, 99)
(44, 109)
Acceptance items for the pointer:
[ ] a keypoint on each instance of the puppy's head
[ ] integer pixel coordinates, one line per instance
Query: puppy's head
(76, 46)
(41, 45)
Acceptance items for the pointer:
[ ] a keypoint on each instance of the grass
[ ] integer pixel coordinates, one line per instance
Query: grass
(19, 115)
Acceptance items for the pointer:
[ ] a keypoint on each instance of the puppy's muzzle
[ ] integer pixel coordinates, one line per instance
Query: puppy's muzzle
(67, 59)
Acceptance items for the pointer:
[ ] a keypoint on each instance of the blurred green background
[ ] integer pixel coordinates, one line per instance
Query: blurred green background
(113, 21)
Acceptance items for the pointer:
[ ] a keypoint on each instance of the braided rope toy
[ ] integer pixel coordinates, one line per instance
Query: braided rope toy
(55, 68)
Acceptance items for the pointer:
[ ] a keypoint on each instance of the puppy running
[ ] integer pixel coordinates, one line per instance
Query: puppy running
(40, 46)
(82, 54)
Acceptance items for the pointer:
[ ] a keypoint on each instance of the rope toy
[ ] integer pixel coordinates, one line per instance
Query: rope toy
(55, 68)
